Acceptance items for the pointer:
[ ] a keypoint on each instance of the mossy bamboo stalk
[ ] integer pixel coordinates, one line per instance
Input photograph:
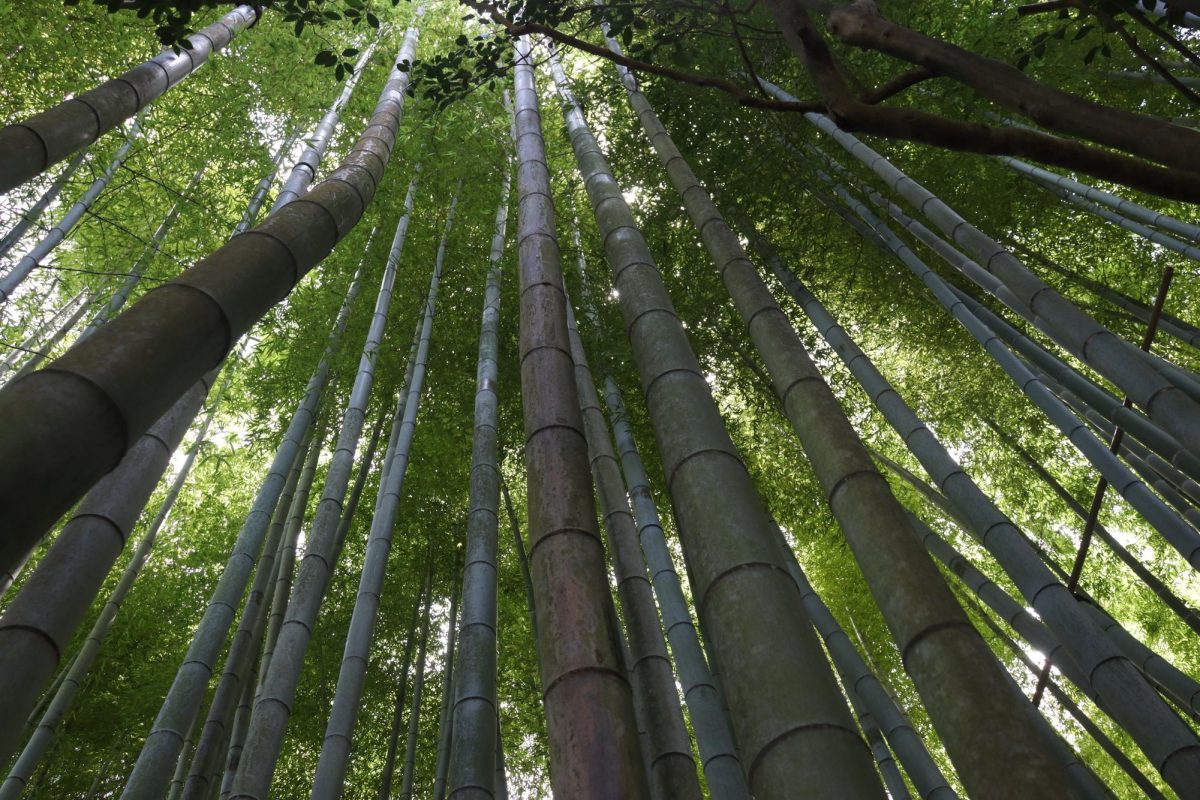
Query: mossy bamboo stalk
(589, 708)
(37, 625)
(778, 725)
(710, 720)
(905, 583)
(66, 691)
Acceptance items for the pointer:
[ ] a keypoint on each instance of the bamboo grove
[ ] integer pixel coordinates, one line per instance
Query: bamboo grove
(461, 400)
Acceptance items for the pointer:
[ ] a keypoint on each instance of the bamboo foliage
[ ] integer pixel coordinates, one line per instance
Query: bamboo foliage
(589, 709)
(31, 146)
(1153, 389)
(716, 504)
(111, 387)
(121, 294)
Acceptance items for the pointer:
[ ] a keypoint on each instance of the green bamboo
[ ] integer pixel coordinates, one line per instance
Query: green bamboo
(589, 709)
(474, 712)
(335, 749)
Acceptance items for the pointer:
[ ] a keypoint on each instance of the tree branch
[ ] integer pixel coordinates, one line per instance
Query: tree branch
(1060, 111)
(739, 93)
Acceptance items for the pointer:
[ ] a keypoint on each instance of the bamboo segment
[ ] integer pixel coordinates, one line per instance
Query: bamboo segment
(29, 147)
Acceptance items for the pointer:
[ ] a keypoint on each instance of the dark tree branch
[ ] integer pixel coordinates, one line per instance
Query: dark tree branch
(917, 126)
(1140, 135)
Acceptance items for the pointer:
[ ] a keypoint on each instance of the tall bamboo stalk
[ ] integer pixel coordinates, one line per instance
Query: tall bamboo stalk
(293, 508)
(589, 708)
(215, 735)
(1169, 744)
(296, 515)
(1072, 708)
(335, 749)
(522, 561)
(716, 504)
(420, 602)
(407, 775)
(151, 772)
(259, 196)
(474, 711)
(55, 236)
(30, 217)
(30, 146)
(445, 721)
(865, 689)
(66, 426)
(669, 758)
(709, 718)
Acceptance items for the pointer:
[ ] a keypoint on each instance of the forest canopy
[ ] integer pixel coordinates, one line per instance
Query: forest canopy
(658, 399)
